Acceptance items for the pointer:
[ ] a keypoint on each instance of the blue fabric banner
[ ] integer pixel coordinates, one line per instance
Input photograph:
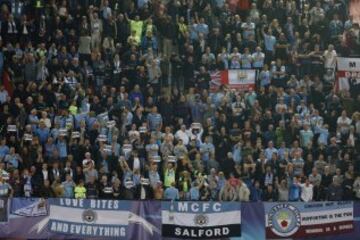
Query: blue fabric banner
(151, 220)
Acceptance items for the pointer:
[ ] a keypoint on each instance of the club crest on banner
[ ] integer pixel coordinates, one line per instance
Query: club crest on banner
(284, 220)
(89, 216)
(201, 220)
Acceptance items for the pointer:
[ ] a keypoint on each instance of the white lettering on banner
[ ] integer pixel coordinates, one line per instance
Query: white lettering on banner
(198, 233)
(72, 202)
(182, 207)
(59, 227)
(195, 207)
(201, 220)
(314, 230)
(99, 204)
(198, 207)
(346, 226)
(217, 207)
(104, 204)
(89, 221)
(87, 230)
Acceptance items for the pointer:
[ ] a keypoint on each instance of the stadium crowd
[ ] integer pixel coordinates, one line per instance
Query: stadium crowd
(112, 99)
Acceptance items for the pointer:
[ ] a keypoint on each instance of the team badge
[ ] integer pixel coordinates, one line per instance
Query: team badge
(284, 220)
(201, 220)
(89, 216)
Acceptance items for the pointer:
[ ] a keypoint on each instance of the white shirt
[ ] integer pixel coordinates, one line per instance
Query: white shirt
(136, 164)
(330, 59)
(183, 136)
(344, 124)
(258, 59)
(306, 192)
(46, 174)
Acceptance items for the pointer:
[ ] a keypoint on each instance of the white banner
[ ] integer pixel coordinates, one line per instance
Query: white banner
(348, 73)
(201, 220)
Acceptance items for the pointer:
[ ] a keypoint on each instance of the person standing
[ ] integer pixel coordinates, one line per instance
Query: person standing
(5, 188)
(68, 186)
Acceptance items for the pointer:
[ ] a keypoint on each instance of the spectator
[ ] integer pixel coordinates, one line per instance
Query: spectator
(68, 186)
(5, 188)
(307, 191)
(113, 93)
(335, 191)
(356, 187)
(227, 193)
(171, 193)
(283, 191)
(80, 190)
(243, 191)
(270, 194)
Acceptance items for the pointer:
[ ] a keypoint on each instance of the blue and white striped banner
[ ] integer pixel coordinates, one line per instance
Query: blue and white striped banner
(200, 220)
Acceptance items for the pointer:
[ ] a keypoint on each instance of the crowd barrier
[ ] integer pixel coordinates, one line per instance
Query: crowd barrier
(60, 218)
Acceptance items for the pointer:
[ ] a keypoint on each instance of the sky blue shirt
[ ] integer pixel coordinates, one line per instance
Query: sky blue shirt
(171, 193)
(33, 119)
(265, 78)
(141, 3)
(4, 189)
(269, 152)
(194, 194)
(294, 192)
(269, 42)
(306, 137)
(61, 147)
(13, 160)
(4, 150)
(43, 134)
(323, 135)
(49, 149)
(206, 149)
(68, 189)
(237, 154)
(202, 28)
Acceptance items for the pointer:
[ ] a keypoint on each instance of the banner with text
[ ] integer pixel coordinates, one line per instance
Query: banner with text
(90, 218)
(302, 220)
(201, 220)
(348, 73)
(240, 79)
(35, 218)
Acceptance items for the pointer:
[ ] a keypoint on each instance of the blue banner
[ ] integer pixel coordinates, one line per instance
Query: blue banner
(152, 220)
